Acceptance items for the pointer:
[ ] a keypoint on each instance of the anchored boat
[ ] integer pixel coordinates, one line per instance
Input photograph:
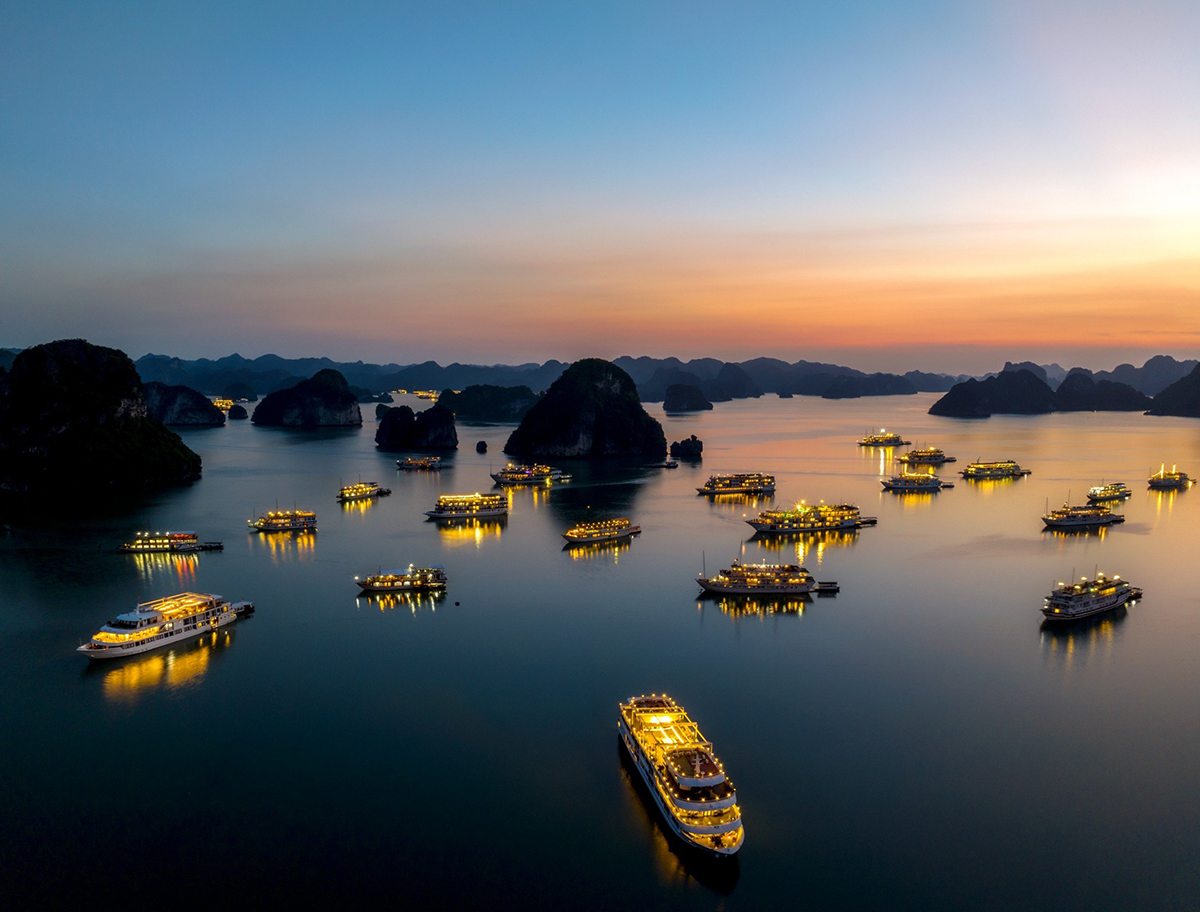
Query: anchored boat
(162, 622)
(884, 438)
(528, 475)
(169, 542)
(1108, 492)
(363, 490)
(420, 463)
(1005, 468)
(1088, 597)
(763, 579)
(925, 456)
(739, 483)
(468, 506)
(1081, 517)
(604, 530)
(285, 521)
(811, 518)
(414, 579)
(1168, 481)
(914, 482)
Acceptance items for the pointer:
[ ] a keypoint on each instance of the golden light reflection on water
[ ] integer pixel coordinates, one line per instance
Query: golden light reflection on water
(739, 504)
(913, 500)
(466, 532)
(181, 567)
(1164, 502)
(1081, 641)
(359, 506)
(610, 550)
(413, 601)
(285, 546)
(809, 547)
(989, 486)
(1083, 532)
(167, 669)
(539, 493)
(738, 608)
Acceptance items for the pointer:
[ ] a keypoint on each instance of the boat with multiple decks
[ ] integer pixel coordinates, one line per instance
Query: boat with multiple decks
(914, 483)
(983, 471)
(162, 622)
(925, 456)
(739, 483)
(420, 463)
(1084, 516)
(284, 521)
(805, 517)
(763, 579)
(414, 579)
(604, 530)
(1088, 597)
(468, 506)
(685, 779)
(363, 490)
(1162, 480)
(1104, 493)
(884, 438)
(168, 542)
(528, 475)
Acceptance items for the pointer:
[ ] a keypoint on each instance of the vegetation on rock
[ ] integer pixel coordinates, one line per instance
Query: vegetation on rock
(181, 405)
(690, 448)
(324, 400)
(432, 429)
(682, 397)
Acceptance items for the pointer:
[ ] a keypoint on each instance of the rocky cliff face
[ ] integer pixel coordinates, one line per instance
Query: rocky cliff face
(682, 397)
(688, 448)
(592, 410)
(239, 390)
(732, 382)
(72, 409)
(181, 405)
(1080, 393)
(1180, 398)
(432, 429)
(845, 387)
(489, 403)
(324, 400)
(1009, 393)
(238, 413)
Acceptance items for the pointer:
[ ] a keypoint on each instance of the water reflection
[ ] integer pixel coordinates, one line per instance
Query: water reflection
(738, 608)
(1081, 640)
(538, 493)
(609, 550)
(360, 506)
(988, 486)
(413, 601)
(809, 546)
(282, 547)
(463, 532)
(181, 568)
(1164, 501)
(1079, 532)
(739, 503)
(171, 669)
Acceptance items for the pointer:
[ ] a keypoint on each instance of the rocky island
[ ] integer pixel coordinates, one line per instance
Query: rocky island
(1017, 392)
(484, 402)
(239, 391)
(592, 410)
(1181, 398)
(683, 397)
(70, 409)
(1079, 392)
(688, 448)
(238, 413)
(324, 400)
(181, 405)
(432, 429)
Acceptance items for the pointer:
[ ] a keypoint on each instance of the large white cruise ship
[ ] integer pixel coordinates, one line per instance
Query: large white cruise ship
(1070, 602)
(162, 622)
(684, 777)
(763, 579)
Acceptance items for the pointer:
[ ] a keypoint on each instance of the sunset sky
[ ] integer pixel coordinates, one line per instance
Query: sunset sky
(887, 185)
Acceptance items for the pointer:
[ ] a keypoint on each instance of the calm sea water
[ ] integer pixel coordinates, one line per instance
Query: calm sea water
(918, 741)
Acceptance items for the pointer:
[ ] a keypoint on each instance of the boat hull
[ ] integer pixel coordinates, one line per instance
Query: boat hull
(223, 620)
(600, 539)
(1132, 596)
(479, 514)
(717, 589)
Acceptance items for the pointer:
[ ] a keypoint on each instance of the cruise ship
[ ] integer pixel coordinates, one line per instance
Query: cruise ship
(528, 475)
(420, 463)
(884, 438)
(162, 622)
(1088, 597)
(1005, 468)
(414, 579)
(1081, 517)
(925, 456)
(601, 531)
(468, 506)
(914, 482)
(763, 579)
(739, 483)
(285, 521)
(169, 542)
(363, 490)
(684, 777)
(811, 518)
(1164, 481)
(1106, 492)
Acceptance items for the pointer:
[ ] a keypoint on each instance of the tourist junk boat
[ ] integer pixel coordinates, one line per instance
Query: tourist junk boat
(468, 506)
(284, 521)
(528, 475)
(1005, 468)
(739, 483)
(763, 579)
(591, 533)
(1106, 492)
(1081, 517)
(162, 622)
(884, 438)
(1088, 597)
(420, 463)
(1163, 480)
(684, 777)
(811, 518)
(363, 490)
(914, 483)
(169, 542)
(925, 456)
(414, 579)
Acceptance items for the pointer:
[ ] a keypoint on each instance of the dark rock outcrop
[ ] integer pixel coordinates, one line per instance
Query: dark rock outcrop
(592, 410)
(239, 391)
(1152, 377)
(362, 394)
(481, 447)
(924, 382)
(238, 413)
(655, 388)
(1181, 398)
(844, 387)
(1036, 369)
(785, 395)
(1080, 393)
(73, 410)
(324, 400)
(682, 397)
(181, 405)
(381, 410)
(732, 382)
(691, 448)
(489, 403)
(432, 429)
(1009, 393)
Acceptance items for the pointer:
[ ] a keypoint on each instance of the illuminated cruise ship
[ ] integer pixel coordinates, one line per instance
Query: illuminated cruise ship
(811, 518)
(414, 579)
(1106, 492)
(1088, 597)
(363, 490)
(739, 483)
(884, 438)
(162, 622)
(1164, 480)
(468, 506)
(285, 521)
(528, 475)
(762, 579)
(914, 482)
(684, 777)
(925, 456)
(1005, 468)
(420, 463)
(169, 542)
(1081, 517)
(604, 530)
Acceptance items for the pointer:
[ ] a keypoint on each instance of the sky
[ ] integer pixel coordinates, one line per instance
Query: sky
(890, 185)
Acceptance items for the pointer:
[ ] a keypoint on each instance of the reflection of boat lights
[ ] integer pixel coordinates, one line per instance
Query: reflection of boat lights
(286, 545)
(163, 670)
(599, 550)
(390, 601)
(731, 503)
(809, 545)
(182, 566)
(469, 531)
(1084, 639)
(737, 608)
(1079, 532)
(360, 505)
